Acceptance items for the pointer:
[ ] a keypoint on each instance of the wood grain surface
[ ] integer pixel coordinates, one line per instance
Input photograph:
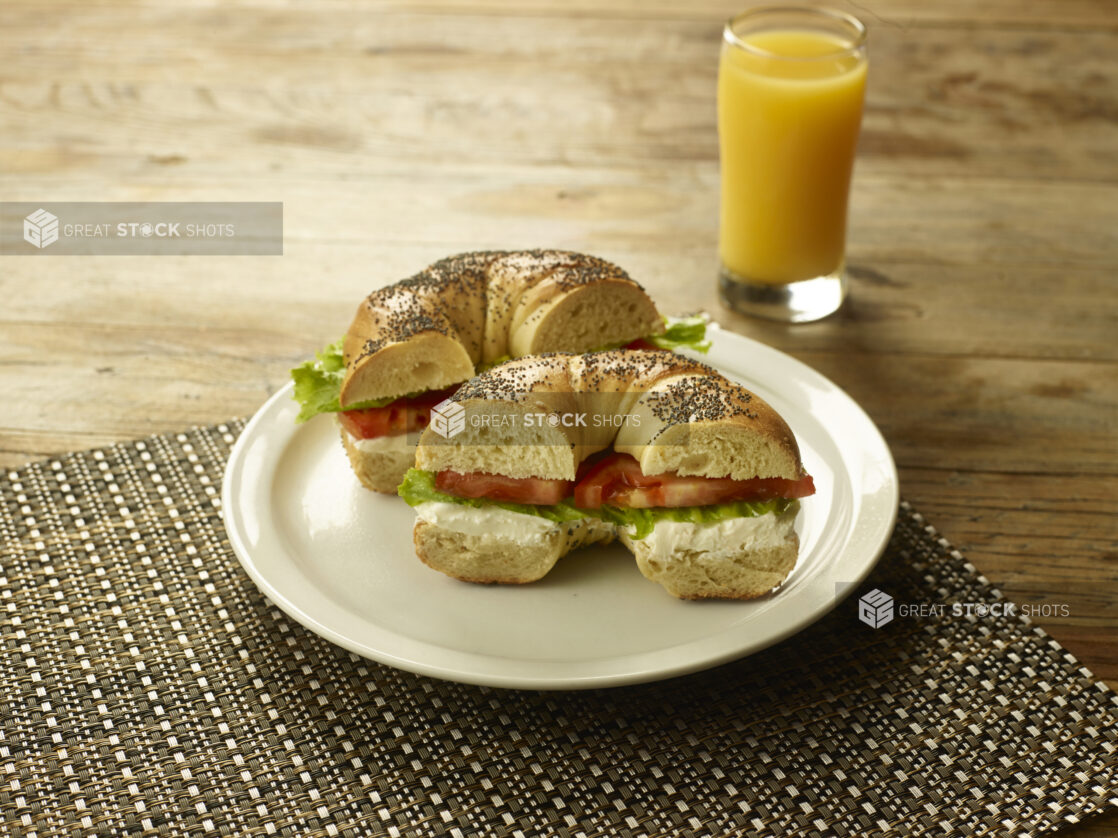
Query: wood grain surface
(981, 333)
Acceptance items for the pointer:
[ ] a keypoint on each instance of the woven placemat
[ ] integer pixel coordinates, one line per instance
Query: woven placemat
(149, 687)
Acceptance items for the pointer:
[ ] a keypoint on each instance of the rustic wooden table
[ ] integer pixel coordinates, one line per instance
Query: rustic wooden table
(981, 328)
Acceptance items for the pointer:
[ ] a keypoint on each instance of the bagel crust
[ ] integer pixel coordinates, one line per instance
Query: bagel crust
(491, 558)
(434, 329)
(694, 421)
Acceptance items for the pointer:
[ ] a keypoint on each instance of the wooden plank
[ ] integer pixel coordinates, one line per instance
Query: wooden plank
(343, 90)
(943, 221)
(1004, 415)
(1039, 536)
(911, 309)
(899, 308)
(901, 13)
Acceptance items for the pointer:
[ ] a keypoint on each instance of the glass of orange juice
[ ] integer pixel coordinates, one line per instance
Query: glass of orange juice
(791, 83)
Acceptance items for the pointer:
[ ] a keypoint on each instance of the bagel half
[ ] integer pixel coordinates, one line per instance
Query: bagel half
(689, 419)
(474, 309)
(675, 417)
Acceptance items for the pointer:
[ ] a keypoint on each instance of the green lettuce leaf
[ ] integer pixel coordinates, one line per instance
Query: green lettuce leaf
(643, 520)
(484, 367)
(683, 333)
(318, 384)
(418, 487)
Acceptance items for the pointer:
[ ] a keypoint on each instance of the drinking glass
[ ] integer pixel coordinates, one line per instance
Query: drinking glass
(791, 84)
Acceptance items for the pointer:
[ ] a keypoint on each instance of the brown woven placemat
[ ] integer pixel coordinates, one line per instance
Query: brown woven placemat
(149, 687)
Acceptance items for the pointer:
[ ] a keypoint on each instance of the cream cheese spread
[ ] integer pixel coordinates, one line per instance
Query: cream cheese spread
(490, 521)
(379, 444)
(720, 539)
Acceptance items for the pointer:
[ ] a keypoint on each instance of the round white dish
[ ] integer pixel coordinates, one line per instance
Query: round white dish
(339, 558)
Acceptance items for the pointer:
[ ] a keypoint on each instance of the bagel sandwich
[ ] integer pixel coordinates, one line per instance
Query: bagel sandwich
(412, 343)
(698, 477)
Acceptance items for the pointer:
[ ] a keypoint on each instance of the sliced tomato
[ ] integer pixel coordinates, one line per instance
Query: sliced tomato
(399, 417)
(641, 343)
(478, 484)
(618, 480)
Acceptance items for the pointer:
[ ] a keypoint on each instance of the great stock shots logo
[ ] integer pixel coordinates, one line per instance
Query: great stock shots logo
(875, 608)
(878, 608)
(40, 228)
(148, 228)
(448, 418)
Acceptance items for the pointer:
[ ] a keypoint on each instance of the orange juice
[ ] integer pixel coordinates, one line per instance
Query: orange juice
(789, 110)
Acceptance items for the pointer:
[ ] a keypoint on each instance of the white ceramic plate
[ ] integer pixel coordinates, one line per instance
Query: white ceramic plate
(339, 558)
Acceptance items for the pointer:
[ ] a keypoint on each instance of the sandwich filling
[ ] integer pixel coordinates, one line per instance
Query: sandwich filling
(487, 521)
(612, 490)
(318, 385)
(724, 539)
